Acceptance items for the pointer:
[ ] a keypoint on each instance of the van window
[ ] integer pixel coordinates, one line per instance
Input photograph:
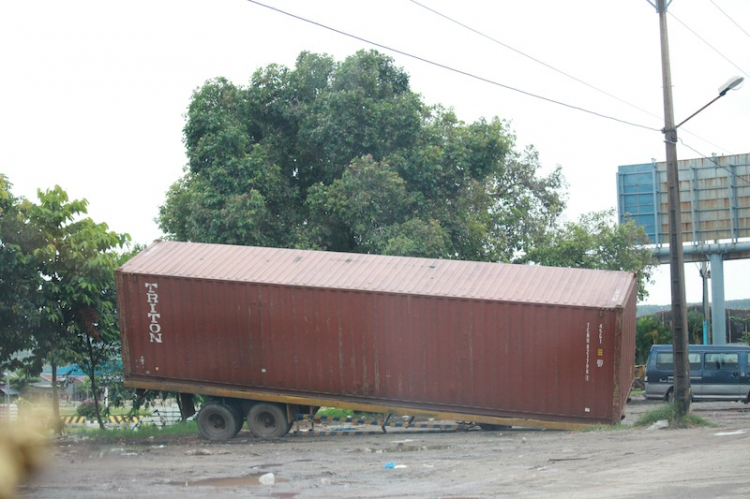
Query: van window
(723, 361)
(664, 360)
(695, 360)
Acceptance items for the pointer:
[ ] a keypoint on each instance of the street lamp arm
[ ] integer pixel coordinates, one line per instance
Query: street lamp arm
(701, 109)
(729, 85)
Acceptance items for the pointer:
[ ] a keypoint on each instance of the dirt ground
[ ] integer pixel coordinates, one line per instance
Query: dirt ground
(633, 462)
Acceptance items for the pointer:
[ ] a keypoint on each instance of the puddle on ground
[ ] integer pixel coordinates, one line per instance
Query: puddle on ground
(226, 482)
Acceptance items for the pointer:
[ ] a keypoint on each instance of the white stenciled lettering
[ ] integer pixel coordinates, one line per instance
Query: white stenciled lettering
(154, 328)
(588, 349)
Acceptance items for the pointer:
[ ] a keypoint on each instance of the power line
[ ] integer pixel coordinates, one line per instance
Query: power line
(448, 18)
(449, 68)
(473, 30)
(711, 46)
(713, 160)
(728, 17)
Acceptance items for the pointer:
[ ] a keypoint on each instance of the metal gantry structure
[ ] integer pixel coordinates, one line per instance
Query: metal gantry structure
(715, 216)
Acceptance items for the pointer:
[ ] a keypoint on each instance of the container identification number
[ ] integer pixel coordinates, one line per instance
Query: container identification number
(599, 351)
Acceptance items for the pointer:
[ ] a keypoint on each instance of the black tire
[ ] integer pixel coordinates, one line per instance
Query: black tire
(218, 422)
(266, 420)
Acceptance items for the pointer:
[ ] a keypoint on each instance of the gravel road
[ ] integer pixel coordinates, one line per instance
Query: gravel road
(705, 462)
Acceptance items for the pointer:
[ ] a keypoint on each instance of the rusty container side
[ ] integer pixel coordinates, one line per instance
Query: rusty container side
(625, 352)
(467, 354)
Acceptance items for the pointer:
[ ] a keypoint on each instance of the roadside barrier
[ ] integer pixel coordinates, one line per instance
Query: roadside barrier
(73, 420)
(68, 420)
(374, 422)
(387, 423)
(124, 419)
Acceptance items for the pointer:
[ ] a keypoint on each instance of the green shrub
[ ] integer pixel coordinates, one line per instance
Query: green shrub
(87, 409)
(669, 412)
(333, 412)
(142, 432)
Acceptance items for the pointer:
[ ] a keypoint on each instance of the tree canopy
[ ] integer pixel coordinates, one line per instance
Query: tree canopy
(346, 157)
(596, 241)
(20, 280)
(61, 276)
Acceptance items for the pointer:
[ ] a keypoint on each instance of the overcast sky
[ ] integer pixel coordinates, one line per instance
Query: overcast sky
(93, 93)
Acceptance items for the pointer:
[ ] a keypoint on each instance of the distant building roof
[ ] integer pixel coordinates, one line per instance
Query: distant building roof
(8, 391)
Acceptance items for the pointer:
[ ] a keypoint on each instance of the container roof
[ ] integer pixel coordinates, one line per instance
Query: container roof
(384, 274)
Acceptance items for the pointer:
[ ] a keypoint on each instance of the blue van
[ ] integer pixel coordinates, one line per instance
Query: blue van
(717, 372)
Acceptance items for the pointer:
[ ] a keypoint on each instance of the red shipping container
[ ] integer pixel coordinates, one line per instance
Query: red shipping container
(541, 346)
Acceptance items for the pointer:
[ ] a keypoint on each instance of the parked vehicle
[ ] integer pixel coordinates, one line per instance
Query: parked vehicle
(270, 333)
(717, 372)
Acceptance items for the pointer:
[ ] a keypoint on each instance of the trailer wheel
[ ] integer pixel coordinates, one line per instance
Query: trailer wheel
(218, 422)
(267, 421)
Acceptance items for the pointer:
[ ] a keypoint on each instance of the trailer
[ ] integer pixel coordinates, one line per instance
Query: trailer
(270, 333)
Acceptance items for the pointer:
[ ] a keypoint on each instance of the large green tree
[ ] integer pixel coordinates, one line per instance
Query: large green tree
(71, 305)
(650, 330)
(20, 280)
(346, 157)
(597, 241)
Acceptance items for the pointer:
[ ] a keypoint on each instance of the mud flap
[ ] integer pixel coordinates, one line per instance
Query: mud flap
(187, 409)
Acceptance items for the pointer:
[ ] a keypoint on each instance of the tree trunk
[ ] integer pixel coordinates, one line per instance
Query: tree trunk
(94, 387)
(57, 424)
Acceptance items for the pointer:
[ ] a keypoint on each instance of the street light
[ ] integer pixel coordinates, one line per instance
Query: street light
(732, 83)
(680, 343)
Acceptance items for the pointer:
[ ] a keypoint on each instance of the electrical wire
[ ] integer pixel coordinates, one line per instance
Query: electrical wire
(713, 160)
(711, 46)
(549, 66)
(449, 68)
(473, 30)
(728, 17)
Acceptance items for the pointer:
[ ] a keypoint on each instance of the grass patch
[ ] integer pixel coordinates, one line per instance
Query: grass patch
(605, 427)
(113, 411)
(141, 432)
(334, 412)
(670, 413)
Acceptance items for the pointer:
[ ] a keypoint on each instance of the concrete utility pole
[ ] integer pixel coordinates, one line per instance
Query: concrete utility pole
(676, 257)
(705, 276)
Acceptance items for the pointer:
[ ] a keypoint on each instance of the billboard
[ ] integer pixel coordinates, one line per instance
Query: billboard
(714, 198)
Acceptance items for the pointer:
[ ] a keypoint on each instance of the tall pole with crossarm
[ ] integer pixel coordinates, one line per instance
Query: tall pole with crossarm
(676, 257)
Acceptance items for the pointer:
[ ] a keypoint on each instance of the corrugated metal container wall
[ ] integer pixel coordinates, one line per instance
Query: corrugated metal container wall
(469, 337)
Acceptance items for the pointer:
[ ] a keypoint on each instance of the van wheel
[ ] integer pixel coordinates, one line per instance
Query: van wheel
(218, 421)
(267, 421)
